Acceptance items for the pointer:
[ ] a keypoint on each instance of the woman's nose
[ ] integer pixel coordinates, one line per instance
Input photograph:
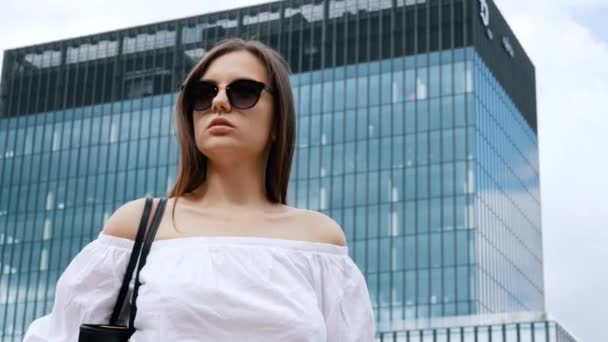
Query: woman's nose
(220, 102)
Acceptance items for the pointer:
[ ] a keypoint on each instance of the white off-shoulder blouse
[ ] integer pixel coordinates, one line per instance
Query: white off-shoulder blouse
(226, 288)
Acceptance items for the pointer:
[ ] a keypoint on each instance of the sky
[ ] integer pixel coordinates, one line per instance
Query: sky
(567, 41)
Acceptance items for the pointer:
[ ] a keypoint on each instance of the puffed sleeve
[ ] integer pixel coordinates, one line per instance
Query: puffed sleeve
(345, 300)
(86, 291)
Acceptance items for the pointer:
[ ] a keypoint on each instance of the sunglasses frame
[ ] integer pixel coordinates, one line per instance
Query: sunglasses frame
(260, 85)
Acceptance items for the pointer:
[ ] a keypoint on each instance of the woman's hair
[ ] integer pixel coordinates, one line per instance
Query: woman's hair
(192, 170)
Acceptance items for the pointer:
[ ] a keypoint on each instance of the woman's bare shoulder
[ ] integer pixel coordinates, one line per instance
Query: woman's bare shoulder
(125, 220)
(325, 228)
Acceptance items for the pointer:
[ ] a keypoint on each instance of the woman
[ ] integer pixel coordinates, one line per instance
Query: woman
(233, 262)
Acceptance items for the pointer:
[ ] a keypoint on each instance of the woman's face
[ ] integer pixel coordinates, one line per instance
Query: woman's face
(248, 137)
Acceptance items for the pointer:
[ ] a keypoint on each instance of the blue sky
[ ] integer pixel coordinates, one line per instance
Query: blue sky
(594, 19)
(567, 41)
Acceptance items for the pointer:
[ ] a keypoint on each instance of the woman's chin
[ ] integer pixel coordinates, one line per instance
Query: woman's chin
(219, 149)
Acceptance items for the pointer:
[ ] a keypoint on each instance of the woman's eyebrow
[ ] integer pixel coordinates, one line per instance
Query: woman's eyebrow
(211, 80)
(208, 80)
(245, 78)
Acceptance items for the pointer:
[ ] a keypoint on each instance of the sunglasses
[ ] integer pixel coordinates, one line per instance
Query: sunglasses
(242, 94)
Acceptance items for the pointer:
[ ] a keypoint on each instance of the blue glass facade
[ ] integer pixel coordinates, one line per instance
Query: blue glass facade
(384, 166)
(508, 202)
(67, 171)
(382, 148)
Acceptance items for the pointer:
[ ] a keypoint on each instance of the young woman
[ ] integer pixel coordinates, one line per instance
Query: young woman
(230, 261)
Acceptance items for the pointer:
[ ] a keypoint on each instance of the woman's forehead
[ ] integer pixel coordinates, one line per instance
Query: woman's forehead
(235, 65)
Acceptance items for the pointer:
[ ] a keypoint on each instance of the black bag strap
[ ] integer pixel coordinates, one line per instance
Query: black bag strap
(144, 255)
(124, 288)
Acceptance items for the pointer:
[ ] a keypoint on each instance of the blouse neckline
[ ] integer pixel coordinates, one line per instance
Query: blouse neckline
(227, 240)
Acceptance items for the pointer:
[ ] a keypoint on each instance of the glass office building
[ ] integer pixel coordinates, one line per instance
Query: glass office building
(416, 131)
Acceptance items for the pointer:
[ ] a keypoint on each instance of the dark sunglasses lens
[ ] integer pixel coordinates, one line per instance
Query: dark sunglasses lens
(244, 94)
(200, 95)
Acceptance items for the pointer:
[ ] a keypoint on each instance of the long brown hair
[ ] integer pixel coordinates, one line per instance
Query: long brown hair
(192, 170)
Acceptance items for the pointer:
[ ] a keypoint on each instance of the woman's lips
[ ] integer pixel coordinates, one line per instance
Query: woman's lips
(220, 128)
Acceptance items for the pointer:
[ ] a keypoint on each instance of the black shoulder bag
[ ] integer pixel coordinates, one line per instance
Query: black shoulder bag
(113, 332)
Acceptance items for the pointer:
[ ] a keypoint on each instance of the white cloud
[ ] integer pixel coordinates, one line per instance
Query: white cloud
(572, 85)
